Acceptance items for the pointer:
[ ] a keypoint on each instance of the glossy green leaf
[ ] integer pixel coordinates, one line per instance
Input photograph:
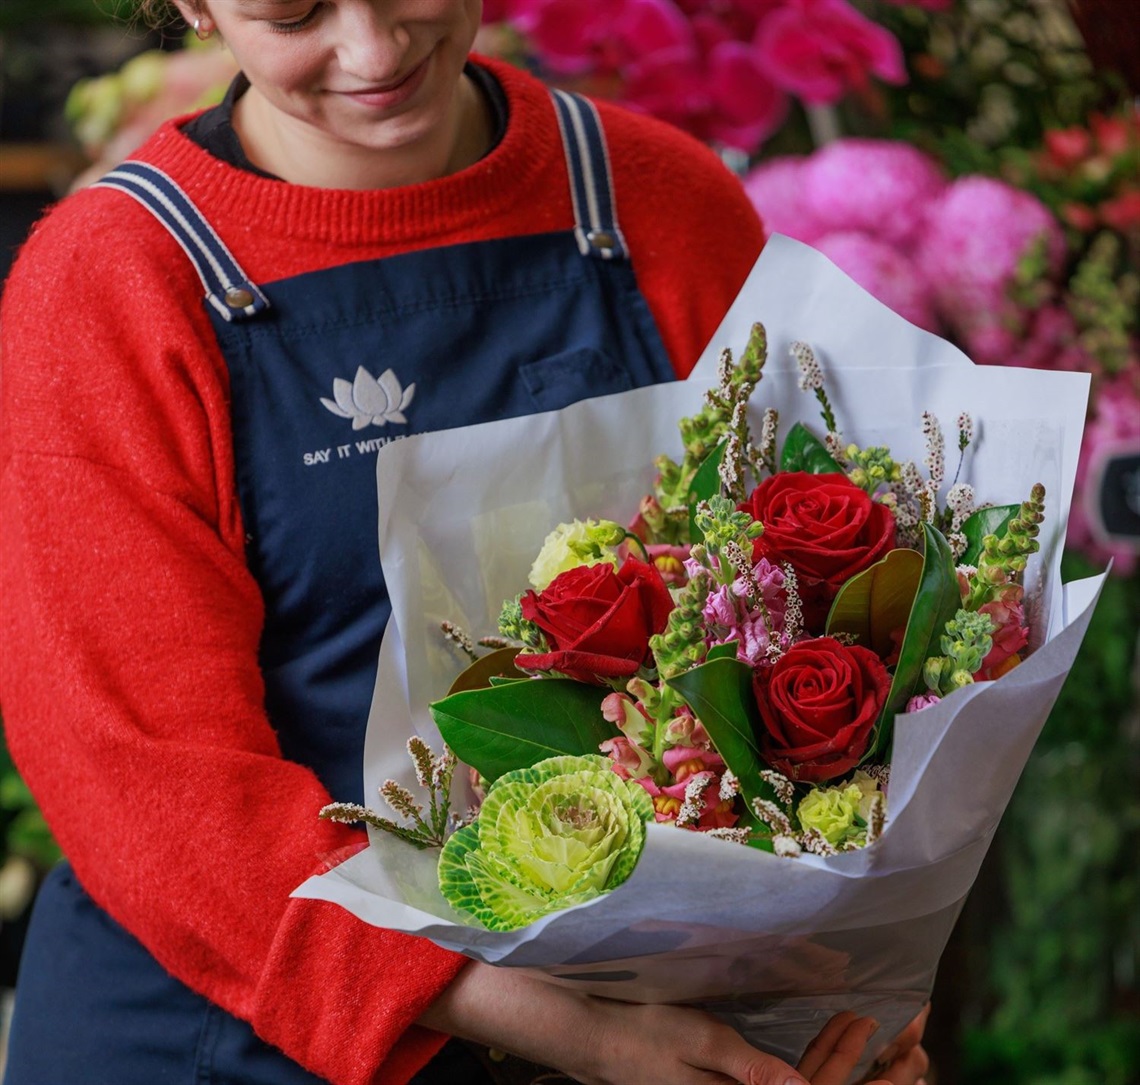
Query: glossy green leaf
(877, 602)
(803, 451)
(936, 602)
(705, 484)
(992, 521)
(723, 651)
(482, 673)
(720, 694)
(512, 726)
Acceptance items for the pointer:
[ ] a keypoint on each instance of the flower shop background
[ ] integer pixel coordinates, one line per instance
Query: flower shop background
(975, 164)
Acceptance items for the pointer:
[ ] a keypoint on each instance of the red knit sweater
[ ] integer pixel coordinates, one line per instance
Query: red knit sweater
(129, 622)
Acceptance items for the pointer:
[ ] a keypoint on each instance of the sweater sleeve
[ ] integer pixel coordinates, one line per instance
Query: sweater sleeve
(129, 626)
(693, 234)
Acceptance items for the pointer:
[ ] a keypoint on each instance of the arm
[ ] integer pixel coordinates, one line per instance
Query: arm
(601, 1042)
(130, 626)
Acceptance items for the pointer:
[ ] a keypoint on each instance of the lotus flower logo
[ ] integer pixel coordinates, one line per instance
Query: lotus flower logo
(370, 400)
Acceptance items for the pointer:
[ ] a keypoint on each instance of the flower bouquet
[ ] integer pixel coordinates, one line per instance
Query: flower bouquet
(774, 945)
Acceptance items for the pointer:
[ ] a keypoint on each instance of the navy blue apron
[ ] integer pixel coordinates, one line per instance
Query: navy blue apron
(325, 368)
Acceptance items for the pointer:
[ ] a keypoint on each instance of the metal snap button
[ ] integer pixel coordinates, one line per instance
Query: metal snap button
(601, 240)
(238, 298)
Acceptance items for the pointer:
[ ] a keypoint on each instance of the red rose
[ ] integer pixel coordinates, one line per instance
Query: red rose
(827, 528)
(597, 621)
(819, 702)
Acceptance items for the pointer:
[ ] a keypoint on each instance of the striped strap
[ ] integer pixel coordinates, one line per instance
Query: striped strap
(228, 288)
(591, 181)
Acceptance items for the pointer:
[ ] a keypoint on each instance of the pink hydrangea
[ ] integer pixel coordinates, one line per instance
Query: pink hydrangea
(882, 187)
(884, 272)
(976, 234)
(821, 49)
(778, 191)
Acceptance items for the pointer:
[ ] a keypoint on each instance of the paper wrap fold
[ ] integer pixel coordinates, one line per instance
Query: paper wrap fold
(773, 945)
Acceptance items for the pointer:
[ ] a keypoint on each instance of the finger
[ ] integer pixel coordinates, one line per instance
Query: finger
(727, 1053)
(909, 1068)
(816, 1053)
(845, 1053)
(908, 1038)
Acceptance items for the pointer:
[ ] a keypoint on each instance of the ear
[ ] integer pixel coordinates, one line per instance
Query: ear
(190, 10)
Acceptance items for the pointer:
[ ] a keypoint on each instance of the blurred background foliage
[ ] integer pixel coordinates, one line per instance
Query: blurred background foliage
(1033, 103)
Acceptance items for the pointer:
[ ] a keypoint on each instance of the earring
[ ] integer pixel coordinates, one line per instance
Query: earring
(199, 33)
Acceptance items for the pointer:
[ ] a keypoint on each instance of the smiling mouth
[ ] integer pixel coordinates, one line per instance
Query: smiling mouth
(387, 89)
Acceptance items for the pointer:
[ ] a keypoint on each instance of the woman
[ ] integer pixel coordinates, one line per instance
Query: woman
(390, 239)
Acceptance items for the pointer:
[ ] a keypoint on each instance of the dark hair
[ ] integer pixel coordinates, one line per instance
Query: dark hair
(157, 12)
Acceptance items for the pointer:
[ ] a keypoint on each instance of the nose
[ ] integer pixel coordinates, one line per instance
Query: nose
(373, 41)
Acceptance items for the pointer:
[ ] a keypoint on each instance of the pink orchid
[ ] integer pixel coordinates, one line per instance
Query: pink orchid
(821, 49)
(602, 37)
(712, 86)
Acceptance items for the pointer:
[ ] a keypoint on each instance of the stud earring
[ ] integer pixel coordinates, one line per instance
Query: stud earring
(200, 33)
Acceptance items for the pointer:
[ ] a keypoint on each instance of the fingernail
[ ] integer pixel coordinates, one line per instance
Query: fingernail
(874, 1026)
(795, 1081)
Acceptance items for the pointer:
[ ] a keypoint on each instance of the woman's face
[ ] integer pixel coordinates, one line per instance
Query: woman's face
(344, 76)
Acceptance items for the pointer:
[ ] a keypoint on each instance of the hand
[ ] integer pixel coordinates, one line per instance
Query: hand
(904, 1062)
(601, 1042)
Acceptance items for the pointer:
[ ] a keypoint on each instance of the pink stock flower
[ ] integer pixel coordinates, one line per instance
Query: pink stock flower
(821, 49)
(921, 701)
(778, 191)
(881, 187)
(729, 618)
(884, 272)
(976, 234)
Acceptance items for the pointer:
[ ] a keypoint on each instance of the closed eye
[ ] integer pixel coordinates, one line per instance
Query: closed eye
(293, 25)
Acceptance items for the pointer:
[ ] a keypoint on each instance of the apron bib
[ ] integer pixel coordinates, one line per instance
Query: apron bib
(325, 368)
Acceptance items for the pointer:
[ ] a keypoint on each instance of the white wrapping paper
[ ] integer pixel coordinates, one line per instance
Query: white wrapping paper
(775, 946)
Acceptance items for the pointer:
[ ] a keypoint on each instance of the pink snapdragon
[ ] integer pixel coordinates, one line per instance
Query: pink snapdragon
(1010, 634)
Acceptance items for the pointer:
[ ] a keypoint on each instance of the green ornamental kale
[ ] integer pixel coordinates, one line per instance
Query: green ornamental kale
(547, 837)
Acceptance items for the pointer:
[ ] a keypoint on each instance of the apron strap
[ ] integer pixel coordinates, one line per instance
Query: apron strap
(591, 182)
(228, 289)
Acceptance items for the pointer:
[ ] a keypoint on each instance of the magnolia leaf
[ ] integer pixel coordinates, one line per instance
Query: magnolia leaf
(483, 672)
(723, 651)
(877, 601)
(705, 484)
(991, 521)
(507, 727)
(720, 694)
(936, 602)
(803, 451)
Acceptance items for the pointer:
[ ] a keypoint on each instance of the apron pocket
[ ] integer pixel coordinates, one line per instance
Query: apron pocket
(566, 378)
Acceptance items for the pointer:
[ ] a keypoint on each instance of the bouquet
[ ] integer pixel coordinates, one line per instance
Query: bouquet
(775, 945)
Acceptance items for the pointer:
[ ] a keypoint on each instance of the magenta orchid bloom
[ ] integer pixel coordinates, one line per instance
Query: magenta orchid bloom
(821, 49)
